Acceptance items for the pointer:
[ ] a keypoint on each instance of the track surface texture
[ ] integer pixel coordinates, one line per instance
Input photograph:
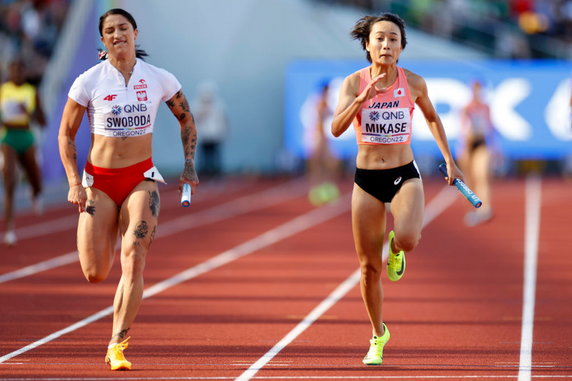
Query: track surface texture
(254, 282)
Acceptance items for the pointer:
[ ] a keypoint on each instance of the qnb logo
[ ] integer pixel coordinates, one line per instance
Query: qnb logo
(116, 110)
(110, 97)
(374, 115)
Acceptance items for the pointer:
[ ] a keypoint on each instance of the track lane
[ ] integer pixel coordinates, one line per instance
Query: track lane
(214, 317)
(287, 211)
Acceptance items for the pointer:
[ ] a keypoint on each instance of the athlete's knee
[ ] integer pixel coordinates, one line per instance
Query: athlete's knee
(406, 241)
(133, 257)
(371, 269)
(94, 275)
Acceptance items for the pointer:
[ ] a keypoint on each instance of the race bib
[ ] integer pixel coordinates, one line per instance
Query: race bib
(385, 126)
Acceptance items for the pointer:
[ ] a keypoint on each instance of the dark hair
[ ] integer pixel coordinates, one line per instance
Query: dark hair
(362, 29)
(139, 53)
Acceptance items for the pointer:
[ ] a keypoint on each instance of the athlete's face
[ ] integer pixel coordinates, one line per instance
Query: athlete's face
(384, 44)
(17, 74)
(118, 36)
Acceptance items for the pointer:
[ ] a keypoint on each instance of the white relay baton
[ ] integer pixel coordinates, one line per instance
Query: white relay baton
(186, 196)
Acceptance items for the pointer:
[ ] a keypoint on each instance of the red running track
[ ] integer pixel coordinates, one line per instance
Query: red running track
(253, 282)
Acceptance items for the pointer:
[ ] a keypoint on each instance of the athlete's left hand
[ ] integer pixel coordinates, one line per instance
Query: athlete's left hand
(454, 173)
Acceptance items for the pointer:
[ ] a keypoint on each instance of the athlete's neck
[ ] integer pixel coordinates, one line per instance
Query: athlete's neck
(125, 66)
(390, 72)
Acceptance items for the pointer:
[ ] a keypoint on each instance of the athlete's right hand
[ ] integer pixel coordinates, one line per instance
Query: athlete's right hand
(371, 90)
(78, 196)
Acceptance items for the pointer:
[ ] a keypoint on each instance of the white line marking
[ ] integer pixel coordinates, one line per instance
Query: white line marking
(531, 232)
(62, 260)
(443, 199)
(70, 222)
(230, 209)
(331, 377)
(298, 224)
(47, 227)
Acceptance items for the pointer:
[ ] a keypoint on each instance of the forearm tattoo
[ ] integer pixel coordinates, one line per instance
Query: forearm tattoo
(152, 238)
(180, 108)
(189, 138)
(141, 229)
(73, 149)
(189, 171)
(154, 203)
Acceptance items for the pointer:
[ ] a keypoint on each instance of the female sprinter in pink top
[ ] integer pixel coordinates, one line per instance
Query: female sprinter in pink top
(379, 100)
(118, 191)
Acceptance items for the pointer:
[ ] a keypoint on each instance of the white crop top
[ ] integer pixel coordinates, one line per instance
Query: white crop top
(116, 110)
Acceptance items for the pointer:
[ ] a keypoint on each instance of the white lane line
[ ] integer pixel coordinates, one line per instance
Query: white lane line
(324, 377)
(298, 224)
(70, 222)
(443, 199)
(531, 234)
(230, 209)
(48, 227)
(58, 261)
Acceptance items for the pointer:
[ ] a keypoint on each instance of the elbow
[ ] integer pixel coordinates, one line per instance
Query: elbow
(336, 132)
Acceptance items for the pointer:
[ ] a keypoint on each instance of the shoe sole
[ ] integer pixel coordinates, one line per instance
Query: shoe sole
(118, 367)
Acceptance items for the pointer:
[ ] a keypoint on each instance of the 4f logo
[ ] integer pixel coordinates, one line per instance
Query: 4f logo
(110, 97)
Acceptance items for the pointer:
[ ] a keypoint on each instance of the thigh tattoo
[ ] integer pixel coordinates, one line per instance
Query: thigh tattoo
(90, 207)
(154, 203)
(141, 229)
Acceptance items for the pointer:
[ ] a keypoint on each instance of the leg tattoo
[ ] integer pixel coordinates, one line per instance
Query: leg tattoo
(121, 335)
(154, 203)
(141, 230)
(90, 208)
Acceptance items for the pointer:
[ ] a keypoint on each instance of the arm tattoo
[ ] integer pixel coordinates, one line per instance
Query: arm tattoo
(73, 148)
(180, 108)
(141, 230)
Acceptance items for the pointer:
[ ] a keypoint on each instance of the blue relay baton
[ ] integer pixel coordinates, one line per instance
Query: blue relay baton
(462, 187)
(186, 196)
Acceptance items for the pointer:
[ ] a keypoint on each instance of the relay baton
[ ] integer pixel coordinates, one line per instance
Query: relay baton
(462, 187)
(186, 196)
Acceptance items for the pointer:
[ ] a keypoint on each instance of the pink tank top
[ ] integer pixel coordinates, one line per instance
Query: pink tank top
(386, 118)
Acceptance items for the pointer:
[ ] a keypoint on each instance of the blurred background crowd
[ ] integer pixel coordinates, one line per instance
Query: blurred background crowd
(501, 28)
(29, 30)
(254, 119)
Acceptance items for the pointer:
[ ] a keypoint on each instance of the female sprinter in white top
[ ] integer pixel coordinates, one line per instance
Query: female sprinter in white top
(118, 192)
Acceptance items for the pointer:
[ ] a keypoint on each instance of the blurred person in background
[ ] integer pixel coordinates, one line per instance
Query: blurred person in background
(322, 165)
(379, 100)
(20, 108)
(212, 125)
(476, 152)
(118, 193)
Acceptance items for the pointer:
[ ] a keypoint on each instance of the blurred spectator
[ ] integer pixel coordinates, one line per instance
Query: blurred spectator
(212, 128)
(476, 152)
(322, 166)
(506, 29)
(20, 107)
(29, 30)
